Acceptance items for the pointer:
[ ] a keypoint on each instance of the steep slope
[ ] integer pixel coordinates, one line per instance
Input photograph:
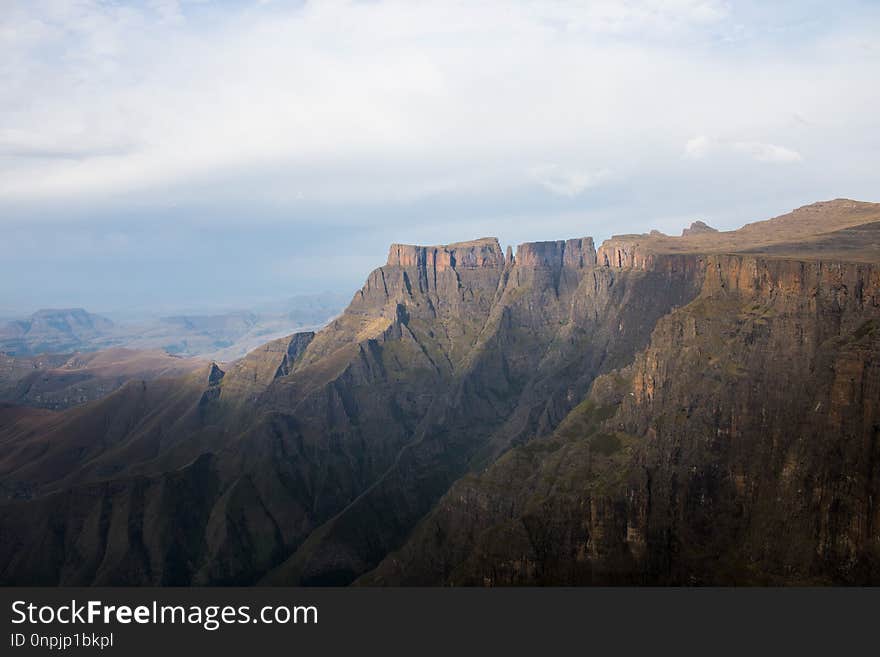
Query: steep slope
(556, 323)
(338, 408)
(740, 447)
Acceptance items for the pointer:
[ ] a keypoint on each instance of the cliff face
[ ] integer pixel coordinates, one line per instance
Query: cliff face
(484, 252)
(772, 404)
(662, 410)
(576, 253)
(739, 447)
(550, 326)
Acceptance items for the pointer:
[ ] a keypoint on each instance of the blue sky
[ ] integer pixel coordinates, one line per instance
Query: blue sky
(175, 155)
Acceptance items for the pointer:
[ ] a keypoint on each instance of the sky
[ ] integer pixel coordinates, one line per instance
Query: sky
(194, 154)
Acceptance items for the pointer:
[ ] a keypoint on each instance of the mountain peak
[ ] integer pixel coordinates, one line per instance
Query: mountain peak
(576, 252)
(698, 227)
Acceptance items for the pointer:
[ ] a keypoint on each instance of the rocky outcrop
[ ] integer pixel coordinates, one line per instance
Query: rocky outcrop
(247, 378)
(574, 253)
(484, 252)
(623, 253)
(697, 228)
(215, 375)
(620, 253)
(296, 347)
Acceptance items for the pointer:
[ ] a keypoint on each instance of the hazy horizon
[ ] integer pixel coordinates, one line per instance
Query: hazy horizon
(134, 310)
(217, 155)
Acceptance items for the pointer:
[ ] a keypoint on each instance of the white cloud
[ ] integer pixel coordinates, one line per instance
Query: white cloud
(644, 17)
(700, 147)
(389, 100)
(566, 182)
(768, 152)
(169, 11)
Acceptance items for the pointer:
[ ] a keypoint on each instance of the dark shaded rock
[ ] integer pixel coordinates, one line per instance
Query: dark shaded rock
(738, 448)
(215, 375)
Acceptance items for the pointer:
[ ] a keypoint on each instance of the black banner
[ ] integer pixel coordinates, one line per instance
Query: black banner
(258, 621)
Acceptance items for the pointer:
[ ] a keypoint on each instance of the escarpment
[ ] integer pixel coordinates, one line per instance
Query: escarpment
(685, 410)
(483, 252)
(625, 254)
(739, 447)
(574, 253)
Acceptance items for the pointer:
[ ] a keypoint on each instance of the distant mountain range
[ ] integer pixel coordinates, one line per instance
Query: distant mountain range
(222, 336)
(53, 330)
(702, 409)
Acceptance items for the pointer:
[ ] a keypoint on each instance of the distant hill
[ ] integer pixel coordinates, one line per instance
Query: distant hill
(220, 336)
(310, 309)
(57, 381)
(214, 324)
(53, 330)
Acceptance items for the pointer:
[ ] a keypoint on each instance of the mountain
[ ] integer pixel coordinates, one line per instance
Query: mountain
(203, 334)
(740, 447)
(222, 336)
(696, 409)
(58, 381)
(54, 330)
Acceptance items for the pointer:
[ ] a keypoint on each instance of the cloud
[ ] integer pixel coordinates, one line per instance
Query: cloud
(646, 18)
(701, 147)
(394, 101)
(768, 152)
(142, 141)
(168, 11)
(566, 182)
(41, 145)
(698, 147)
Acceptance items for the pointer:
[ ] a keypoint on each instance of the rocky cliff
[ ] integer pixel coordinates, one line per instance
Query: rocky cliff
(699, 409)
(740, 447)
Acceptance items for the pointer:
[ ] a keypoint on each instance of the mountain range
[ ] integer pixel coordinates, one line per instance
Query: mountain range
(53, 330)
(221, 336)
(700, 409)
